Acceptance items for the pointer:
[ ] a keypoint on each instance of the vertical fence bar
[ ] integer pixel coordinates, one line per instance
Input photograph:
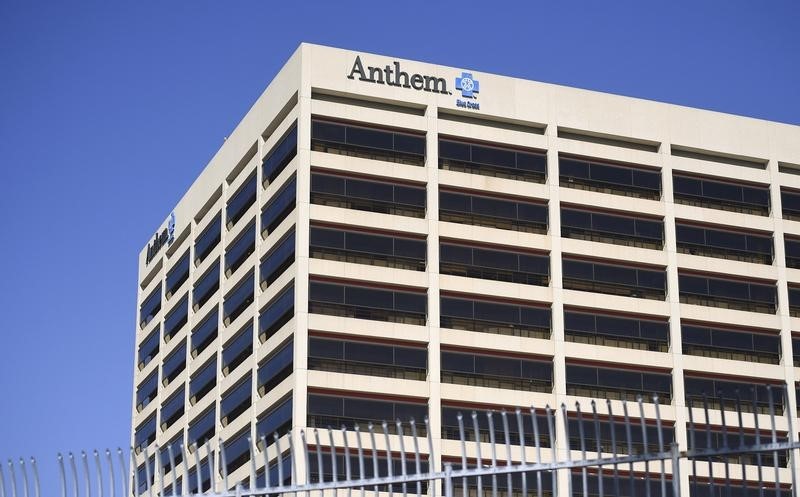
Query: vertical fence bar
(551, 431)
(613, 431)
(417, 462)
(375, 471)
(404, 472)
(627, 419)
(389, 468)
(724, 443)
(463, 438)
(599, 448)
(774, 440)
(490, 422)
(448, 480)
(478, 450)
(36, 486)
(582, 437)
(522, 447)
(24, 477)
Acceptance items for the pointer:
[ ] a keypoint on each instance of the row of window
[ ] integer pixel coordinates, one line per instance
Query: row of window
(531, 165)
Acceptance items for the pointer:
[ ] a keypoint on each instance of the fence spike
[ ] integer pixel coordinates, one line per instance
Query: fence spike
(13, 478)
(125, 472)
(790, 437)
(159, 469)
(279, 454)
(185, 483)
(660, 433)
(375, 472)
(147, 473)
(741, 436)
(389, 468)
(37, 491)
(292, 460)
(197, 468)
(212, 470)
(307, 457)
(725, 462)
(431, 460)
(479, 462)
(334, 471)
(100, 474)
(463, 438)
(627, 420)
(551, 431)
(538, 445)
(251, 447)
(361, 473)
(599, 446)
(582, 439)
(774, 440)
(24, 477)
(643, 423)
(493, 445)
(321, 476)
(523, 459)
(613, 431)
(566, 438)
(74, 469)
(223, 463)
(711, 482)
(348, 470)
(63, 474)
(171, 456)
(403, 469)
(417, 463)
(504, 418)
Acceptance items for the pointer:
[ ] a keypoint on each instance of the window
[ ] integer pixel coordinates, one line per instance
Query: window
(203, 381)
(275, 369)
(609, 228)
(699, 487)
(205, 333)
(338, 411)
(173, 408)
(277, 313)
(367, 303)
(145, 433)
(452, 431)
(176, 318)
(614, 438)
(371, 359)
(205, 477)
(239, 299)
(367, 248)
(420, 488)
(630, 332)
(241, 201)
(753, 397)
(178, 274)
(796, 351)
(790, 202)
(279, 157)
(713, 194)
(278, 259)
(207, 240)
(236, 401)
(792, 248)
(146, 391)
(614, 279)
(237, 451)
(735, 344)
(238, 251)
(206, 286)
(616, 179)
(368, 143)
(727, 294)
(170, 460)
(202, 428)
(492, 212)
(710, 242)
(713, 437)
(367, 195)
(620, 384)
(150, 307)
(276, 420)
(491, 264)
(794, 301)
(494, 317)
(237, 350)
(626, 486)
(281, 205)
(497, 372)
(145, 476)
(174, 364)
(148, 348)
(492, 161)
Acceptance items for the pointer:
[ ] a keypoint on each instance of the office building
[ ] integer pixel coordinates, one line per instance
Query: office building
(383, 238)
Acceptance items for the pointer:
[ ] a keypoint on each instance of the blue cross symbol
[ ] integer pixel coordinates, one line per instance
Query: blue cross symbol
(467, 85)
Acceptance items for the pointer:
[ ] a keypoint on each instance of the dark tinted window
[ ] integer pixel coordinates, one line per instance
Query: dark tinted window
(730, 344)
(367, 142)
(277, 313)
(280, 156)
(618, 383)
(366, 303)
(237, 349)
(276, 420)
(279, 258)
(202, 428)
(368, 248)
(609, 228)
(616, 331)
(618, 179)
(236, 400)
(206, 286)
(492, 212)
(280, 206)
(205, 333)
(494, 317)
(754, 397)
(492, 160)
(176, 318)
(241, 201)
(275, 369)
(178, 274)
(150, 306)
(145, 433)
(239, 298)
(475, 262)
(614, 279)
(367, 195)
(203, 381)
(750, 247)
(146, 391)
(173, 408)
(337, 411)
(174, 364)
(716, 194)
(238, 251)
(718, 292)
(149, 348)
(207, 240)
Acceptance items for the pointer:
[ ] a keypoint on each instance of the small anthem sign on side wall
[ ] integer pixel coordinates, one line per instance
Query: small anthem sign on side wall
(161, 240)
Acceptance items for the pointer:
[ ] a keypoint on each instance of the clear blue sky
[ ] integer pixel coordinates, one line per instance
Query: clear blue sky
(109, 110)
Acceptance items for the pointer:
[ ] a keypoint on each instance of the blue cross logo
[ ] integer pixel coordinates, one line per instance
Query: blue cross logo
(467, 85)
(171, 228)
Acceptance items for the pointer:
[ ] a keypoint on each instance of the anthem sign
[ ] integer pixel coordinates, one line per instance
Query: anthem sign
(392, 75)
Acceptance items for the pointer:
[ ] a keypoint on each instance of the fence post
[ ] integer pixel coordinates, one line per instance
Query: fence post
(676, 478)
(448, 480)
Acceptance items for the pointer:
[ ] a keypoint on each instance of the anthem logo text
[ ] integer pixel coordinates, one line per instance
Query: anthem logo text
(392, 75)
(161, 240)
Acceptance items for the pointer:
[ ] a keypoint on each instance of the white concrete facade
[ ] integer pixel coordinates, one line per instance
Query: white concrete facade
(513, 113)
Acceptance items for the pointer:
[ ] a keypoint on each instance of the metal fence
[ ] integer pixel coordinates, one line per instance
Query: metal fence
(502, 454)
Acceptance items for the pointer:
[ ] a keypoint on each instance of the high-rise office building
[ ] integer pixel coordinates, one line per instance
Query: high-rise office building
(383, 238)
